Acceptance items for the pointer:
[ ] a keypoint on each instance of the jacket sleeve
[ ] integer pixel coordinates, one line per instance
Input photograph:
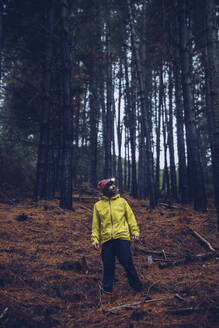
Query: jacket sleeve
(95, 227)
(131, 220)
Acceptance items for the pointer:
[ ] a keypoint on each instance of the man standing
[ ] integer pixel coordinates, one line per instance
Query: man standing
(113, 220)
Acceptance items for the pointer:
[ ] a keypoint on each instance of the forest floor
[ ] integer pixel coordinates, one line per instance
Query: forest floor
(49, 271)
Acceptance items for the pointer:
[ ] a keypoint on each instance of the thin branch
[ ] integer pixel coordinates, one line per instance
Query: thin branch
(196, 234)
(124, 306)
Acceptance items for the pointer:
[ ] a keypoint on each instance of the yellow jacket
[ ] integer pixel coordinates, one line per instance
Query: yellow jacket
(112, 219)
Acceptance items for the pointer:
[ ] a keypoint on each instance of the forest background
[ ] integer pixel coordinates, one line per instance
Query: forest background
(84, 81)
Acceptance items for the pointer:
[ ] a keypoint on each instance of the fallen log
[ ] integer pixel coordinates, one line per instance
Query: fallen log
(169, 206)
(86, 208)
(189, 310)
(188, 258)
(81, 198)
(149, 251)
(134, 304)
(202, 239)
(3, 314)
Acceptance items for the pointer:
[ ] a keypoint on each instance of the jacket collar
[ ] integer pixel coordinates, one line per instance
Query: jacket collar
(112, 198)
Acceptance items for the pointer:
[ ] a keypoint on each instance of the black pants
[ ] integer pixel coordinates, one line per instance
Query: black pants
(121, 249)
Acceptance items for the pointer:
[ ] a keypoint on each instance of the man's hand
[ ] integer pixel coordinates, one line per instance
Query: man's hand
(135, 237)
(97, 247)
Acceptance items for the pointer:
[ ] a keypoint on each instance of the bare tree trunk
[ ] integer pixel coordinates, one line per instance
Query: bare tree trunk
(196, 178)
(108, 117)
(182, 169)
(144, 108)
(93, 68)
(119, 134)
(158, 132)
(131, 122)
(166, 182)
(213, 79)
(126, 161)
(66, 178)
(45, 180)
(1, 36)
(170, 140)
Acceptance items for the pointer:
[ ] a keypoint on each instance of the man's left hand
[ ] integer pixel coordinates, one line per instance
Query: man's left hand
(135, 237)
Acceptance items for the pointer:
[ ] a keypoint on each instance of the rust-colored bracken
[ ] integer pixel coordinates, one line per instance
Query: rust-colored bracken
(49, 271)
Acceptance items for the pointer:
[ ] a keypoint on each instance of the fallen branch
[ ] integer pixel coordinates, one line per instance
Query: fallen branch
(189, 310)
(148, 251)
(134, 304)
(4, 313)
(86, 208)
(188, 258)
(84, 197)
(170, 206)
(203, 240)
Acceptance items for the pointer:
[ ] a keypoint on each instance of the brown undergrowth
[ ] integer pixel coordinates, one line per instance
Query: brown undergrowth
(49, 272)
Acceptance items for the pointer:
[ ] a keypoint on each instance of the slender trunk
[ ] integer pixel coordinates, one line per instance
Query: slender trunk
(119, 133)
(108, 119)
(1, 36)
(146, 123)
(171, 139)
(66, 178)
(182, 169)
(45, 181)
(166, 183)
(126, 161)
(213, 80)
(195, 172)
(158, 132)
(113, 138)
(131, 122)
(93, 130)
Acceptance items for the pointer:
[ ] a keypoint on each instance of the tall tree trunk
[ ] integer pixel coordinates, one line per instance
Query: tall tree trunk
(131, 122)
(66, 178)
(144, 108)
(126, 161)
(108, 117)
(45, 180)
(166, 182)
(171, 139)
(93, 131)
(213, 79)
(93, 68)
(182, 169)
(195, 172)
(1, 36)
(119, 134)
(158, 132)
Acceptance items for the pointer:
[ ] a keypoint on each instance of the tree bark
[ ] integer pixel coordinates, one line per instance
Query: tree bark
(195, 172)
(131, 123)
(108, 116)
(145, 114)
(171, 140)
(183, 176)
(45, 180)
(119, 134)
(213, 79)
(1, 36)
(66, 178)
(93, 68)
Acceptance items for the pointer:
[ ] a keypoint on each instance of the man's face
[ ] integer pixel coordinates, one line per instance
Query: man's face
(112, 188)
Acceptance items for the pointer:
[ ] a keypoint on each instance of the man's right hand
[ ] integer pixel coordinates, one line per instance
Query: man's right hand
(97, 247)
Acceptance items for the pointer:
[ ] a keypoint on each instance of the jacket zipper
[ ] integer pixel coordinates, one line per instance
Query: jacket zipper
(111, 218)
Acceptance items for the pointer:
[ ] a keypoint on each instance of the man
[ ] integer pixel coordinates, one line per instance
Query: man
(113, 220)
